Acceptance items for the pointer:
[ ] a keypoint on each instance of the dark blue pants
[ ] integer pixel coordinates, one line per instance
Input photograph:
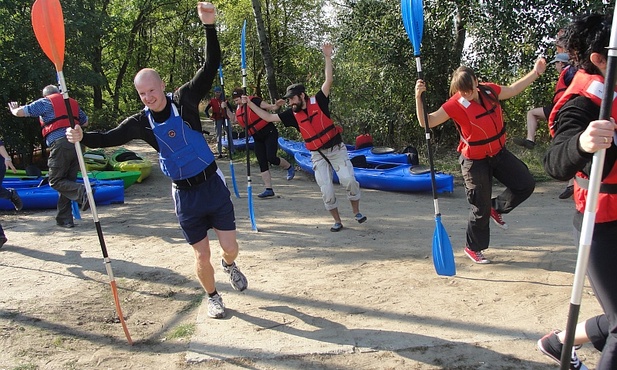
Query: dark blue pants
(478, 176)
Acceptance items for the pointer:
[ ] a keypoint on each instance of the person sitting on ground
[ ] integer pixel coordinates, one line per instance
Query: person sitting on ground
(364, 140)
(566, 73)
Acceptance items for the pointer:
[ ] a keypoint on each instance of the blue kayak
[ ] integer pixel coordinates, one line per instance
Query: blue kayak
(44, 197)
(388, 176)
(373, 154)
(239, 144)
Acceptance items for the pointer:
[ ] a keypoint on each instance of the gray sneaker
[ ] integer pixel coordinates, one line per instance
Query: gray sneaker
(216, 308)
(236, 278)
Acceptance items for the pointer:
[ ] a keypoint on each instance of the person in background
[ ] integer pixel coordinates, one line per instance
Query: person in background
(265, 136)
(364, 140)
(62, 162)
(170, 123)
(10, 194)
(577, 135)
(475, 109)
(311, 116)
(217, 105)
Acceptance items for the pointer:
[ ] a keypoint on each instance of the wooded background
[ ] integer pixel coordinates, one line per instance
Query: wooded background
(108, 41)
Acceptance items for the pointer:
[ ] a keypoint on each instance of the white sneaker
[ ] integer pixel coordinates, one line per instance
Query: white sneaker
(216, 308)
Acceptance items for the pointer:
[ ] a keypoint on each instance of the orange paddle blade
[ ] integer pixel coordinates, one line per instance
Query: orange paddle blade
(48, 25)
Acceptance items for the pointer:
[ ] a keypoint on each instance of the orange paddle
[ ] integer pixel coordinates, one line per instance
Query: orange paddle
(48, 25)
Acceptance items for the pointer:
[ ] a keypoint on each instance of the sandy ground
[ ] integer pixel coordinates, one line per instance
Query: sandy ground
(367, 297)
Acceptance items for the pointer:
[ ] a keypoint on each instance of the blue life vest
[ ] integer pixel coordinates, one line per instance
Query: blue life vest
(183, 152)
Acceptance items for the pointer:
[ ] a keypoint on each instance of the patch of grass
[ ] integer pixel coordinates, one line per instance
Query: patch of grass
(182, 331)
(26, 367)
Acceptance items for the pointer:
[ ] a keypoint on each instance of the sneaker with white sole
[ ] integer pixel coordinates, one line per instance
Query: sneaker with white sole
(360, 218)
(476, 256)
(552, 347)
(16, 200)
(236, 277)
(216, 308)
(496, 216)
(291, 172)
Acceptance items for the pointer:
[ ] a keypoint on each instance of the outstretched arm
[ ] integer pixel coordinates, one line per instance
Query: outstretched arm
(520, 85)
(266, 116)
(327, 52)
(16, 109)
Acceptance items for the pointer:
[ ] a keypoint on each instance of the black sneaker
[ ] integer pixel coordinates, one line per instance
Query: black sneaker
(66, 224)
(84, 203)
(16, 200)
(524, 143)
(551, 346)
(567, 192)
(3, 240)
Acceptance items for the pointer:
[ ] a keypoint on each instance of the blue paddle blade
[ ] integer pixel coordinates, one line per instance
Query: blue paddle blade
(443, 256)
(221, 72)
(243, 45)
(412, 12)
(233, 177)
(75, 210)
(251, 212)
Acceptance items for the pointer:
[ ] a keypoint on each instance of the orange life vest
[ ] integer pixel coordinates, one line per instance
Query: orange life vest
(255, 122)
(480, 125)
(61, 119)
(315, 127)
(591, 87)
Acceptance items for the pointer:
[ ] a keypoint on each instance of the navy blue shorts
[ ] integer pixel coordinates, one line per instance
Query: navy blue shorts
(204, 206)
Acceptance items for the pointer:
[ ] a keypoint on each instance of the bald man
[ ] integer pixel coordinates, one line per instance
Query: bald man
(170, 124)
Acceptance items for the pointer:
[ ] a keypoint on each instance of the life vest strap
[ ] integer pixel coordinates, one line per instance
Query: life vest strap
(604, 188)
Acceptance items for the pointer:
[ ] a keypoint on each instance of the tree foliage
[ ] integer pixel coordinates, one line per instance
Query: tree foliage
(108, 41)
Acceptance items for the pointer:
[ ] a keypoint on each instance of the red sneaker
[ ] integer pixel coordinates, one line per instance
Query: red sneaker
(496, 216)
(477, 257)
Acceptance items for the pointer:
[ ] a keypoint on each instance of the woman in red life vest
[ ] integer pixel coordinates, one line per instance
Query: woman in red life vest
(578, 134)
(476, 111)
(266, 137)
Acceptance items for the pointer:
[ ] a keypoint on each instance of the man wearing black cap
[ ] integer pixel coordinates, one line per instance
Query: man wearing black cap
(311, 116)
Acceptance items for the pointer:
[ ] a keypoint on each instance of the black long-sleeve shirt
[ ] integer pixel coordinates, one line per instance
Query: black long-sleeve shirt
(186, 99)
(564, 157)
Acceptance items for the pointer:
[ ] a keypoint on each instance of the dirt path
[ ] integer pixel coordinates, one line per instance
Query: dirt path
(364, 298)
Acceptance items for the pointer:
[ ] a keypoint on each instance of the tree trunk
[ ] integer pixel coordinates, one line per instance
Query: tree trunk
(265, 50)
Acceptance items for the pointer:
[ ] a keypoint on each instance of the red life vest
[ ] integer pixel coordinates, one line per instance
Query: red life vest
(560, 86)
(480, 125)
(591, 87)
(584, 84)
(61, 115)
(315, 127)
(255, 122)
(363, 141)
(217, 111)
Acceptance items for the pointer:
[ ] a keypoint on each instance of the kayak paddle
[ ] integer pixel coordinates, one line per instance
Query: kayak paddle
(443, 256)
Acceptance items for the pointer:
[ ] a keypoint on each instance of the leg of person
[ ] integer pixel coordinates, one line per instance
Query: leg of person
(3, 238)
(219, 123)
(264, 167)
(272, 146)
(229, 245)
(10, 194)
(477, 176)
(205, 274)
(596, 329)
(552, 346)
(323, 177)
(601, 274)
(344, 169)
(63, 167)
(515, 176)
